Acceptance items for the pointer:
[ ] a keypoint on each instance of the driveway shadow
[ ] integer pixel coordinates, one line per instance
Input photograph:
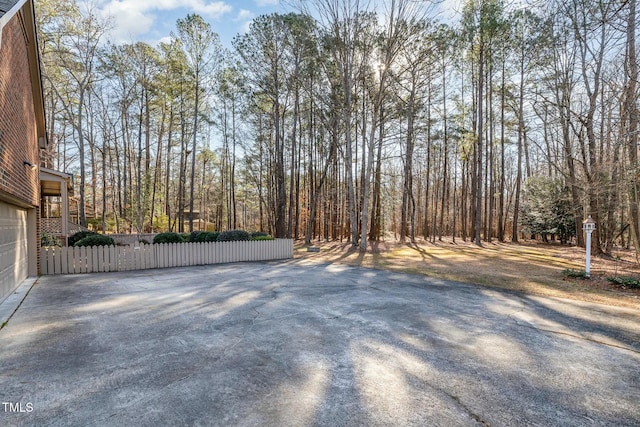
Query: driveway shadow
(287, 344)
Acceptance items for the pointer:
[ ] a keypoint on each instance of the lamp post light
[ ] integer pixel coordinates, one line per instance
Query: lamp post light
(588, 225)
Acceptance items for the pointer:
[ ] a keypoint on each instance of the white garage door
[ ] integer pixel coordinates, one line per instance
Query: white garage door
(13, 248)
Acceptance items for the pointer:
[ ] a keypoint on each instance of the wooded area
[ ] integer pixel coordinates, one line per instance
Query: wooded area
(357, 121)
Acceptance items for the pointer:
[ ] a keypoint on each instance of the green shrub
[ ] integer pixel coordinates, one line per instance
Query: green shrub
(48, 240)
(625, 282)
(576, 274)
(185, 237)
(167, 238)
(204, 236)
(74, 238)
(198, 236)
(233, 235)
(212, 236)
(95, 240)
(194, 236)
(267, 237)
(258, 234)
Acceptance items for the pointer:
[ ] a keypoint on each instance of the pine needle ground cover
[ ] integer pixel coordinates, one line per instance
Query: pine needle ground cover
(534, 268)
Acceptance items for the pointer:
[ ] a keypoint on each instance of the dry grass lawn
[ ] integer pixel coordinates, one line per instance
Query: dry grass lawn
(529, 267)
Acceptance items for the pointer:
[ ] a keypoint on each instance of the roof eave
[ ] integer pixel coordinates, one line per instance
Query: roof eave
(4, 19)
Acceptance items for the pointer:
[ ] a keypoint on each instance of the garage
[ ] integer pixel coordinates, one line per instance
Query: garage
(23, 133)
(14, 256)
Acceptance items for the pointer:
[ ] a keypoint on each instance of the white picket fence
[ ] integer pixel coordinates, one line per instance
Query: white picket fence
(95, 259)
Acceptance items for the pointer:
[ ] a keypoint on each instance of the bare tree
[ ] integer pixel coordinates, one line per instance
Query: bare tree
(202, 47)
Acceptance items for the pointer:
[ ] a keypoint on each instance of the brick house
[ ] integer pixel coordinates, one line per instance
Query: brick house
(22, 135)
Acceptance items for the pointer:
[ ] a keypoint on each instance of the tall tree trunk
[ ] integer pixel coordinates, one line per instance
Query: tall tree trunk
(351, 195)
(232, 173)
(281, 197)
(376, 220)
(292, 170)
(318, 189)
(501, 225)
(157, 173)
(104, 184)
(91, 139)
(139, 168)
(118, 185)
(167, 196)
(455, 202)
(407, 187)
(147, 156)
(516, 207)
(182, 177)
(489, 188)
(478, 195)
(630, 118)
(126, 170)
(425, 227)
(445, 142)
(194, 146)
(79, 129)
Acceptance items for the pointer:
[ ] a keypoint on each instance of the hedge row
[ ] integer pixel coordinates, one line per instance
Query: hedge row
(75, 238)
(209, 236)
(90, 238)
(96, 240)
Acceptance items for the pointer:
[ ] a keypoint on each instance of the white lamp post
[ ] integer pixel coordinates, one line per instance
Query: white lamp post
(588, 225)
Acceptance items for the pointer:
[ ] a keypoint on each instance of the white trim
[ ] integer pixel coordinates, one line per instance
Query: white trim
(4, 19)
(55, 173)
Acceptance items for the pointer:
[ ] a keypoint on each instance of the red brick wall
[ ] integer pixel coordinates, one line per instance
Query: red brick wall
(18, 133)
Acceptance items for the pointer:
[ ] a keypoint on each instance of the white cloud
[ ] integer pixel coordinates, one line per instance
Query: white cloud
(132, 18)
(213, 9)
(210, 9)
(449, 10)
(128, 20)
(245, 15)
(262, 3)
(246, 27)
(165, 39)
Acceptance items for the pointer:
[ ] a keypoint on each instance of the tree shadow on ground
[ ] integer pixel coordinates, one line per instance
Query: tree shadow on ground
(278, 343)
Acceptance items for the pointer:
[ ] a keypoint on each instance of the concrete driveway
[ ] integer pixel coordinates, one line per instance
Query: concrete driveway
(289, 344)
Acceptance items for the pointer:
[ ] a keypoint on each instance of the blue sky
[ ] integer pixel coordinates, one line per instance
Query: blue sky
(154, 20)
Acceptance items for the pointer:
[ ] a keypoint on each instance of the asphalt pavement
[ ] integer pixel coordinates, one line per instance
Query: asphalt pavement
(299, 344)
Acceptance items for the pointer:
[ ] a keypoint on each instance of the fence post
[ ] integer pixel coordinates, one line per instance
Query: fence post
(93, 255)
(173, 254)
(139, 258)
(105, 258)
(49, 261)
(43, 260)
(64, 260)
(113, 259)
(123, 264)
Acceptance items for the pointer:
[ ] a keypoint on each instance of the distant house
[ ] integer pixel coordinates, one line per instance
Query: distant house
(55, 189)
(22, 135)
